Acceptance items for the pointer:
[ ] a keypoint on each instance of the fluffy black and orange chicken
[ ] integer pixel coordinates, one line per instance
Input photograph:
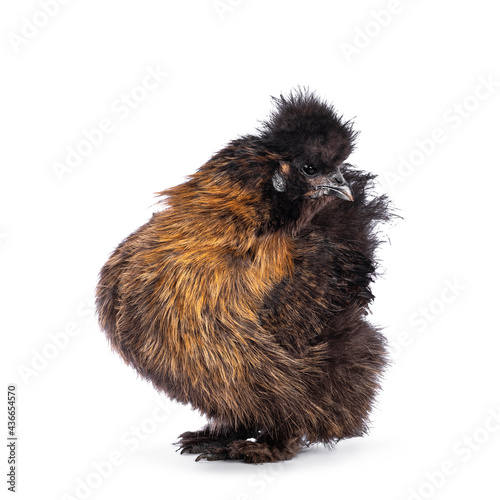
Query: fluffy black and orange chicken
(247, 295)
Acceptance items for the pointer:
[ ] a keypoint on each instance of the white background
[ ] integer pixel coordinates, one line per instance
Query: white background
(421, 67)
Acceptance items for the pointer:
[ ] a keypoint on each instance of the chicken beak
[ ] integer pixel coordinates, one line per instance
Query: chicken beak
(336, 186)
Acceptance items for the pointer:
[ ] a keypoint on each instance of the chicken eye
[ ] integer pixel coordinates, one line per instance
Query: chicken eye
(309, 170)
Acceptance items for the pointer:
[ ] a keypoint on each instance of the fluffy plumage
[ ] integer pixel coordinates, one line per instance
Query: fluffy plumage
(247, 295)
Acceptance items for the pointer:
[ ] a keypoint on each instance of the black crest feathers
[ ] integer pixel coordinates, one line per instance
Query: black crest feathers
(302, 123)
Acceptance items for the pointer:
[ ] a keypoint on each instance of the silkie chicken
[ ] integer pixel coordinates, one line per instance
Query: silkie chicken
(247, 295)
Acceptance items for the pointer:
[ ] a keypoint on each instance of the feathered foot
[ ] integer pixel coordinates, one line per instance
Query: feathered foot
(214, 443)
(231, 446)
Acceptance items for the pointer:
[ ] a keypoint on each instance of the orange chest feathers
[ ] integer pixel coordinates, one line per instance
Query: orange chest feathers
(198, 279)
